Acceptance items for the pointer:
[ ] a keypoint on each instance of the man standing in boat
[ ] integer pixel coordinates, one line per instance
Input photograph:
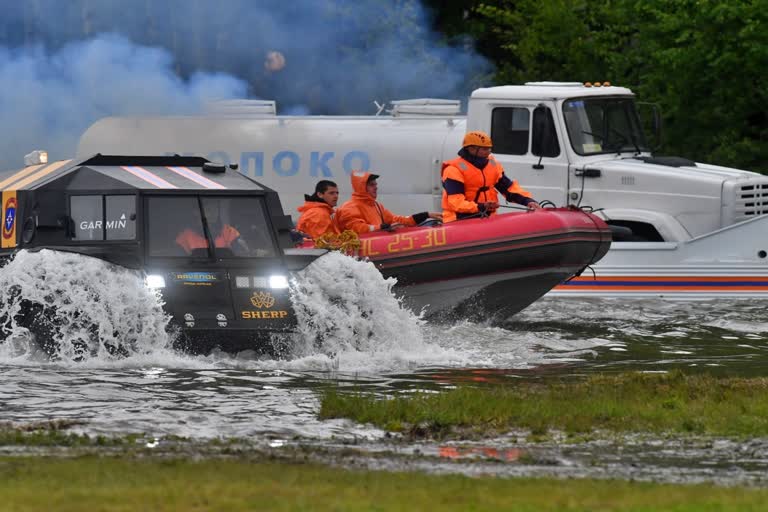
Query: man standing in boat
(362, 213)
(471, 182)
(316, 217)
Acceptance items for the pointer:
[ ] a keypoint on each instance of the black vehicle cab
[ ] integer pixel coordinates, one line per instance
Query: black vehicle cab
(216, 242)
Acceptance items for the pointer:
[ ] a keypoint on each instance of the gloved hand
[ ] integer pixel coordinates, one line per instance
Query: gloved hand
(487, 207)
(390, 227)
(533, 205)
(298, 237)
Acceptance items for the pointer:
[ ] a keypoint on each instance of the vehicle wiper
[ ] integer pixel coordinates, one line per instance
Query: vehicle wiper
(621, 140)
(593, 134)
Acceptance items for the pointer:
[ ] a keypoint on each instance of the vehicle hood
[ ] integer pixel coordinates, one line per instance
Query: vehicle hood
(700, 170)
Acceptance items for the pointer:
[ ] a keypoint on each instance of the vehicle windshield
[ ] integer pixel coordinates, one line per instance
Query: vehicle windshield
(604, 125)
(190, 226)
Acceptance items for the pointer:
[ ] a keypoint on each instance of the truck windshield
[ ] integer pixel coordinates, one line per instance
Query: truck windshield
(604, 125)
(189, 226)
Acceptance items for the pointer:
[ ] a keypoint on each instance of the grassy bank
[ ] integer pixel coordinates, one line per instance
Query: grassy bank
(632, 402)
(111, 484)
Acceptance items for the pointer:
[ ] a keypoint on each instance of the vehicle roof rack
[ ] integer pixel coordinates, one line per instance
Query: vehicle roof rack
(242, 107)
(556, 84)
(426, 106)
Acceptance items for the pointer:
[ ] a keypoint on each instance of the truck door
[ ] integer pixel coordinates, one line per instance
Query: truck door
(527, 144)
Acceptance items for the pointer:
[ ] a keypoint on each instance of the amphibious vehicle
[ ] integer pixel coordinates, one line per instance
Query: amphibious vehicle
(215, 241)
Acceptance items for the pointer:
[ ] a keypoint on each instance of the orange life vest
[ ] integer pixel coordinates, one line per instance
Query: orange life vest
(189, 239)
(478, 184)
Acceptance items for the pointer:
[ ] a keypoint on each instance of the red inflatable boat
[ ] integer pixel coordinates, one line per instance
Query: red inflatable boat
(487, 268)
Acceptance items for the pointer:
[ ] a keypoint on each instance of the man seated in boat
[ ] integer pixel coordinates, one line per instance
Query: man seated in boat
(317, 212)
(471, 182)
(362, 213)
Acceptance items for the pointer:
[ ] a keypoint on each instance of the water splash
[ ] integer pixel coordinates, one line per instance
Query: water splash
(76, 308)
(343, 304)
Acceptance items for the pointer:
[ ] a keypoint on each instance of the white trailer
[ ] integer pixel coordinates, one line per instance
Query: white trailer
(697, 230)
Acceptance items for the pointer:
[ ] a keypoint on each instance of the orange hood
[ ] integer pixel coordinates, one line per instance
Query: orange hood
(359, 181)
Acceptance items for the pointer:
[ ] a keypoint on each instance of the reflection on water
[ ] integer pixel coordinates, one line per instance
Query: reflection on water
(163, 393)
(170, 393)
(721, 337)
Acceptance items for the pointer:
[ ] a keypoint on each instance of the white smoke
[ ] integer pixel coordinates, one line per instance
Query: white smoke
(49, 99)
(64, 65)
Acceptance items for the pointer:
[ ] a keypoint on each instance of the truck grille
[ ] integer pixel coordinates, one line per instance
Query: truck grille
(752, 199)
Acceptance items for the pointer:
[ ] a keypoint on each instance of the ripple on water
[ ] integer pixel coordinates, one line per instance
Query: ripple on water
(371, 344)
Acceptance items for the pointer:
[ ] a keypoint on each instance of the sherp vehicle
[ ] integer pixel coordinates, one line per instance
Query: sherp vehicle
(692, 229)
(167, 217)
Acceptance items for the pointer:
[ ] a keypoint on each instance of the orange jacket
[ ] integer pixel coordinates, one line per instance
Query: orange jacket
(316, 218)
(464, 186)
(362, 213)
(189, 239)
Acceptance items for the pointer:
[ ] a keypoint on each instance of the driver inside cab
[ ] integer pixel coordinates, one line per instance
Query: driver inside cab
(224, 235)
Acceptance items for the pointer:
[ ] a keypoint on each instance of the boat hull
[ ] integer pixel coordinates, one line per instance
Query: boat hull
(488, 268)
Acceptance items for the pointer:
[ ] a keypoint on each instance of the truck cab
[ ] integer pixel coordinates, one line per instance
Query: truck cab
(570, 143)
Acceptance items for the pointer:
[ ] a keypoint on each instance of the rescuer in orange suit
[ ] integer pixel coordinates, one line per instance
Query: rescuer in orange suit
(317, 211)
(190, 240)
(471, 181)
(362, 213)
(224, 234)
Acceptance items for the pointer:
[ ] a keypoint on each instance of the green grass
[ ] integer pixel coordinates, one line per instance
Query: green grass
(632, 402)
(112, 484)
(54, 433)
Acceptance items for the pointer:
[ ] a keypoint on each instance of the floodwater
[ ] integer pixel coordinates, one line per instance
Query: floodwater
(370, 342)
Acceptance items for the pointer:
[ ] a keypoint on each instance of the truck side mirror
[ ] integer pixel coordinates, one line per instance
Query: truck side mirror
(544, 140)
(650, 119)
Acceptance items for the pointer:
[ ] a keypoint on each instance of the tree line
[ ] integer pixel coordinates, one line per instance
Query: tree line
(704, 62)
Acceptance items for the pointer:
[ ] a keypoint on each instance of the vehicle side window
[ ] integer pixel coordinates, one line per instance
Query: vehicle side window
(510, 128)
(100, 217)
(120, 219)
(87, 214)
(544, 133)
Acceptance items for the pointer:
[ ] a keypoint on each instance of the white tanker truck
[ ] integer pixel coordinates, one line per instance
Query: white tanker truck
(693, 230)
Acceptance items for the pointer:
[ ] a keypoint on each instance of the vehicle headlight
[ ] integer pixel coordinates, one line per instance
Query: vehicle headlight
(278, 281)
(155, 281)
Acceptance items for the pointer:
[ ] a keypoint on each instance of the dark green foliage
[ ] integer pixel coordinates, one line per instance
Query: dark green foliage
(704, 62)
